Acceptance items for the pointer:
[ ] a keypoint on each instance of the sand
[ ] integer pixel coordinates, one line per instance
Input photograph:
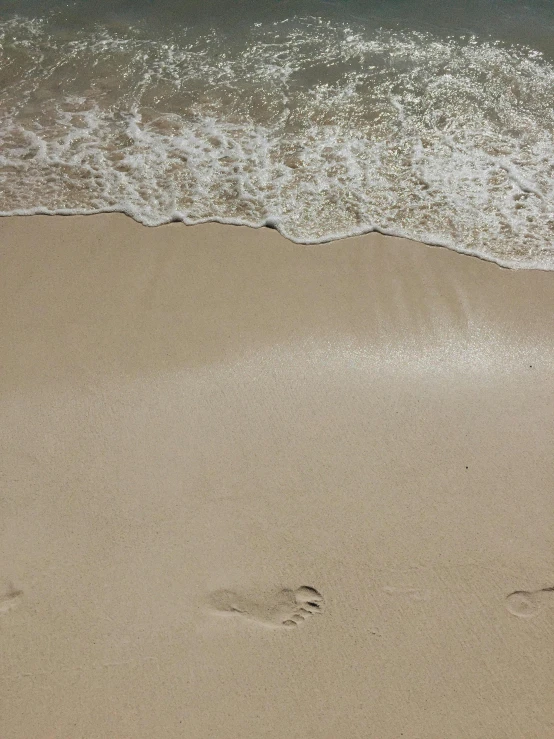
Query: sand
(255, 489)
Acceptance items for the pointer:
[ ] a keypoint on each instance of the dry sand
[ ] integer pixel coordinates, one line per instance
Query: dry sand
(254, 489)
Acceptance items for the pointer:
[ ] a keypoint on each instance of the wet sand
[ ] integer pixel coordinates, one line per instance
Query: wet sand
(254, 489)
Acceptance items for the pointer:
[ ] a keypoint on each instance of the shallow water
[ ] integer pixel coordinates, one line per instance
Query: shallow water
(430, 120)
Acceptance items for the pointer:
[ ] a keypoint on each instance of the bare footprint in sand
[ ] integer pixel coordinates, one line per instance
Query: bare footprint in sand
(287, 608)
(9, 597)
(526, 604)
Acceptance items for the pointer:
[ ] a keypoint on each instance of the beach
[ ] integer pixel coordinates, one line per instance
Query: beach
(253, 488)
(302, 116)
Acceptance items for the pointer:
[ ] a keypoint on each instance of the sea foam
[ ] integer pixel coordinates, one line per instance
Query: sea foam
(319, 128)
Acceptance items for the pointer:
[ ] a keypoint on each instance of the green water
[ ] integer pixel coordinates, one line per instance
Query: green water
(324, 119)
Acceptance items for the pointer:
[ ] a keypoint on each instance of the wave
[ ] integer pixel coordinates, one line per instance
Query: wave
(319, 128)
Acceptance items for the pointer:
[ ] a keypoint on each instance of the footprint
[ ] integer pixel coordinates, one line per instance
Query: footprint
(286, 608)
(523, 604)
(9, 598)
(526, 604)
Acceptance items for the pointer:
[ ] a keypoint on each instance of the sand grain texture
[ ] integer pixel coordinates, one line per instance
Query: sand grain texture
(204, 427)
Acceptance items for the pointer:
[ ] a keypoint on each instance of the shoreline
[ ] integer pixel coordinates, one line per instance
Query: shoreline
(271, 224)
(255, 488)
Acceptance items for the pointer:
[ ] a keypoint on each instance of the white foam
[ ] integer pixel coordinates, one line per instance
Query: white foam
(319, 129)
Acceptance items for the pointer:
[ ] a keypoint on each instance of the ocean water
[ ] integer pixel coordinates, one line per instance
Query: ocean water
(323, 119)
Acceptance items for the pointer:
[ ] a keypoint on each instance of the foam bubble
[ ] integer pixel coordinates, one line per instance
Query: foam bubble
(317, 128)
